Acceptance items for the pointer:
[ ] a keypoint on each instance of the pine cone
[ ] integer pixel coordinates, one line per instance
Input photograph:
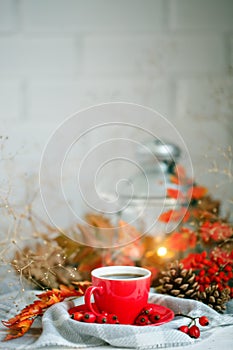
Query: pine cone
(214, 298)
(179, 282)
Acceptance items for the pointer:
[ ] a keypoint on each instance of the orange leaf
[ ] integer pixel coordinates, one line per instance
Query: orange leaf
(175, 215)
(166, 216)
(179, 177)
(197, 192)
(98, 221)
(174, 179)
(174, 193)
(19, 329)
(21, 323)
(180, 241)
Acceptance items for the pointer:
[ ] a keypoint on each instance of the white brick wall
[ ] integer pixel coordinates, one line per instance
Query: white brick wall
(231, 54)
(176, 56)
(10, 99)
(8, 16)
(26, 56)
(153, 55)
(209, 99)
(75, 16)
(202, 15)
(61, 98)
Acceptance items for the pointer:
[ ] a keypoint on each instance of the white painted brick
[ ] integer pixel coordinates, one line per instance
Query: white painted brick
(204, 113)
(207, 141)
(8, 17)
(56, 100)
(208, 99)
(151, 56)
(92, 16)
(203, 137)
(10, 100)
(231, 54)
(209, 15)
(37, 56)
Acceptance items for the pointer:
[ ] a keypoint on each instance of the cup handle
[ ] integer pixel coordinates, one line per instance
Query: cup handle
(87, 298)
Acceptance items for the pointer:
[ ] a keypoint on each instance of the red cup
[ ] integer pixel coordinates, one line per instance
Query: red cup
(120, 290)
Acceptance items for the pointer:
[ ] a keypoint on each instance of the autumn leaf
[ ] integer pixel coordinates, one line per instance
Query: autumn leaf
(180, 241)
(21, 323)
(174, 179)
(98, 221)
(179, 177)
(174, 193)
(175, 215)
(166, 216)
(89, 263)
(197, 192)
(19, 329)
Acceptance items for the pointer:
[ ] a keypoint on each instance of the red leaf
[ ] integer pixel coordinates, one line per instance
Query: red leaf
(181, 241)
(175, 215)
(174, 193)
(197, 192)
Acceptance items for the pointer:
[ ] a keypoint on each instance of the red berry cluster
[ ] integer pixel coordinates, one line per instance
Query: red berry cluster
(147, 316)
(90, 317)
(192, 329)
(216, 269)
(215, 231)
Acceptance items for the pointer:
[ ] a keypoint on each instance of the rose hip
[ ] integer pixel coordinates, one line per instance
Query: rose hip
(142, 320)
(112, 319)
(154, 317)
(203, 320)
(148, 310)
(77, 316)
(89, 317)
(184, 329)
(194, 332)
(103, 318)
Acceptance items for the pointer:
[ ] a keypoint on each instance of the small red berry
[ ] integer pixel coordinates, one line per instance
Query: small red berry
(228, 268)
(155, 317)
(184, 329)
(89, 317)
(103, 313)
(103, 318)
(194, 332)
(77, 316)
(142, 320)
(112, 319)
(148, 310)
(202, 273)
(203, 320)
